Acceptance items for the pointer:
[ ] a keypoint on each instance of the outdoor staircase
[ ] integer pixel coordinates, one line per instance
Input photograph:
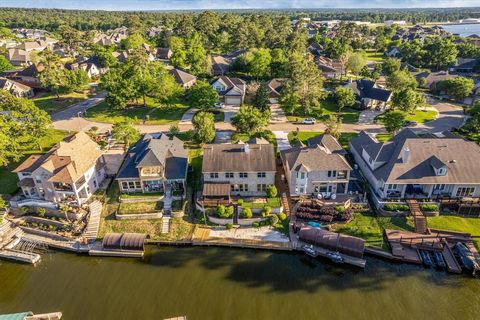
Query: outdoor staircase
(420, 221)
(285, 204)
(91, 231)
(165, 224)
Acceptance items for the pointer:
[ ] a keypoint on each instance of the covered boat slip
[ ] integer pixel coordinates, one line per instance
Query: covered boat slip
(350, 248)
(406, 245)
(121, 245)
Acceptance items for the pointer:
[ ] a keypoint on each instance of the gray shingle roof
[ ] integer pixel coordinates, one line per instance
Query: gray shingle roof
(153, 151)
(314, 158)
(461, 157)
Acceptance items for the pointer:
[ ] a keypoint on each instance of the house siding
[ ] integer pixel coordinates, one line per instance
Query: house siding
(252, 181)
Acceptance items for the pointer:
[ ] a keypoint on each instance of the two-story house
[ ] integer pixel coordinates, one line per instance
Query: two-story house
(319, 168)
(230, 90)
(238, 169)
(72, 170)
(413, 166)
(156, 163)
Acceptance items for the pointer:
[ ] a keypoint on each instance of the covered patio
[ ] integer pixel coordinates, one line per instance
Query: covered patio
(215, 193)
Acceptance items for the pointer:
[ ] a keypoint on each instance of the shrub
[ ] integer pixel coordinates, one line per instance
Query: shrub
(229, 226)
(395, 207)
(255, 224)
(266, 211)
(272, 191)
(41, 212)
(229, 211)
(224, 212)
(221, 210)
(282, 216)
(273, 219)
(240, 202)
(429, 207)
(340, 209)
(247, 213)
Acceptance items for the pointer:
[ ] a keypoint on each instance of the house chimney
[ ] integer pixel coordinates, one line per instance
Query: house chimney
(246, 148)
(405, 154)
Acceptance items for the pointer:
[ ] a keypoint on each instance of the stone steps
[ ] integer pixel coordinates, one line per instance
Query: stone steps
(166, 224)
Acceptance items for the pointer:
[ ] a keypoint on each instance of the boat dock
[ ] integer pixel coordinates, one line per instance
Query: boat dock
(16, 255)
(406, 246)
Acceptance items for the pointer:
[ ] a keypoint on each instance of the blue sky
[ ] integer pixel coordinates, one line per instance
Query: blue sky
(231, 4)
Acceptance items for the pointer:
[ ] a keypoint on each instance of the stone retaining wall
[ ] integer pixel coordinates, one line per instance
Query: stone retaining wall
(45, 234)
(219, 221)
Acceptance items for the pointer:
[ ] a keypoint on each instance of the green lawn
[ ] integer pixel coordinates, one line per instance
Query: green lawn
(375, 56)
(157, 114)
(454, 223)
(328, 108)
(195, 161)
(50, 103)
(419, 116)
(140, 207)
(383, 137)
(370, 227)
(8, 179)
(303, 136)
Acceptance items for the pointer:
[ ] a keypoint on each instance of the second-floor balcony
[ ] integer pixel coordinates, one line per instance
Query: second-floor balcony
(62, 187)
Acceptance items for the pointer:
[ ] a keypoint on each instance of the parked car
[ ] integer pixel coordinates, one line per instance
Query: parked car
(219, 105)
(309, 121)
(410, 123)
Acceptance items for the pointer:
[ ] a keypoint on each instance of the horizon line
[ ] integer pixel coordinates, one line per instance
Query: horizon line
(240, 9)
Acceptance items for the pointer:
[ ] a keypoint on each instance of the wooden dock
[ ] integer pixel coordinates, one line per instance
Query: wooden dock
(450, 260)
(116, 253)
(16, 255)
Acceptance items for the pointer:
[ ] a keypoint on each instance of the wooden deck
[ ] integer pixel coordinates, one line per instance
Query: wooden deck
(405, 245)
(418, 218)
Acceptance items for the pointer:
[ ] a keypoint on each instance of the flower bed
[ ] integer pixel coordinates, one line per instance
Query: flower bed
(323, 213)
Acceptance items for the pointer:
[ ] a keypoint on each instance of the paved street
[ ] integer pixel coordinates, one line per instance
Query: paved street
(450, 116)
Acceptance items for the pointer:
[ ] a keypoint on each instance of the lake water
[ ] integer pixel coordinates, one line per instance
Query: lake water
(217, 283)
(463, 30)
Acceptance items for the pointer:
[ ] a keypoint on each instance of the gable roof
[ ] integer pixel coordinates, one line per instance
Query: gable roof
(365, 88)
(233, 86)
(461, 157)
(181, 76)
(156, 150)
(328, 142)
(238, 158)
(314, 158)
(275, 86)
(67, 161)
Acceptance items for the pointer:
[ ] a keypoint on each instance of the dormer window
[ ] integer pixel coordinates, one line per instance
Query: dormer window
(441, 171)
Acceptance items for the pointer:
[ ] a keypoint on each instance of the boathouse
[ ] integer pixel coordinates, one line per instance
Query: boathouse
(351, 246)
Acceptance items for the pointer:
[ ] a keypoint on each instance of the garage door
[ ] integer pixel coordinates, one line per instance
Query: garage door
(233, 100)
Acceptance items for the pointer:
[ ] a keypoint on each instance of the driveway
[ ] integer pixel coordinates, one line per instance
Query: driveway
(230, 112)
(188, 116)
(449, 116)
(368, 116)
(277, 115)
(282, 140)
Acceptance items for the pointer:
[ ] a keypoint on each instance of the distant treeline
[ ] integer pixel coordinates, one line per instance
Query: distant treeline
(51, 19)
